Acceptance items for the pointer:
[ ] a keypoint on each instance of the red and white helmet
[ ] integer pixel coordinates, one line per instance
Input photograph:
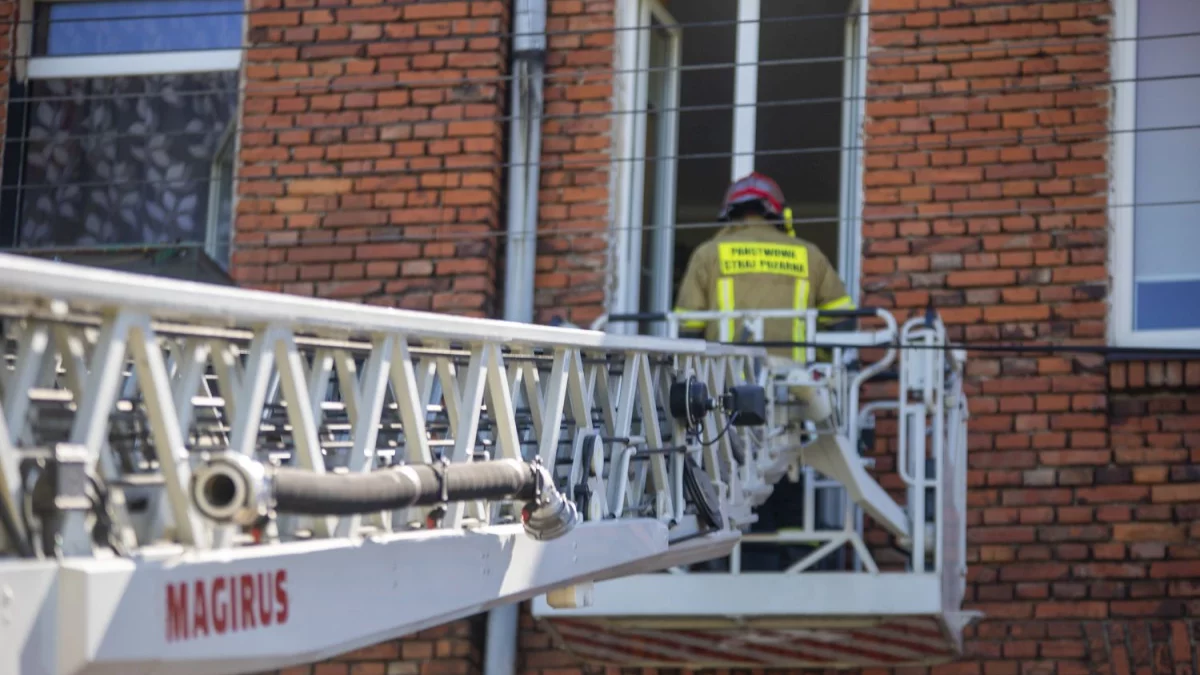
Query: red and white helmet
(754, 188)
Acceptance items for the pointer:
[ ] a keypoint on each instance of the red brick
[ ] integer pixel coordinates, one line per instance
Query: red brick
(1072, 610)
(319, 186)
(981, 278)
(1184, 569)
(1184, 492)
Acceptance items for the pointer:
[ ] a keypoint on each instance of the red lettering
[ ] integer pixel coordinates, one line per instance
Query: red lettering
(177, 612)
(233, 602)
(248, 601)
(220, 613)
(281, 597)
(266, 599)
(226, 604)
(200, 610)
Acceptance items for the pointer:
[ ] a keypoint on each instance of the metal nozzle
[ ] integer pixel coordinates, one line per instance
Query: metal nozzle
(231, 487)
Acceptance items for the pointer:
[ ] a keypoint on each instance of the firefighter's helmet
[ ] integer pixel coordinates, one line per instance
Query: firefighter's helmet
(754, 188)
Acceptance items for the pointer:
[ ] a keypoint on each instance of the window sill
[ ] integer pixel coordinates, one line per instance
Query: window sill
(134, 65)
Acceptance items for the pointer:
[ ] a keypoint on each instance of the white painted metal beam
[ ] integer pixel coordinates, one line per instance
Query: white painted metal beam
(211, 613)
(692, 597)
(92, 289)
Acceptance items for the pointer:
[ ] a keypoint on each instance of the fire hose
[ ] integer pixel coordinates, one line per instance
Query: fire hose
(233, 488)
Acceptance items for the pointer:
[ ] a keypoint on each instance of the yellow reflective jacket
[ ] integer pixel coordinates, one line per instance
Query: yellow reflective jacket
(754, 265)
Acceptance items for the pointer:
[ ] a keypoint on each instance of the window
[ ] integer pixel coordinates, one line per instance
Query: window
(1155, 199)
(768, 86)
(129, 110)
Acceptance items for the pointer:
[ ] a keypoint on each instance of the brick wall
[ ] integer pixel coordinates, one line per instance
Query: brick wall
(452, 649)
(576, 162)
(985, 194)
(985, 187)
(373, 157)
(370, 164)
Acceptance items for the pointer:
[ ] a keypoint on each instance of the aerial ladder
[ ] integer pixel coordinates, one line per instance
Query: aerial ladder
(205, 480)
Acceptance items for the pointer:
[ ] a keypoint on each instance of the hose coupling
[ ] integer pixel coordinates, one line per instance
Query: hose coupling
(232, 488)
(549, 515)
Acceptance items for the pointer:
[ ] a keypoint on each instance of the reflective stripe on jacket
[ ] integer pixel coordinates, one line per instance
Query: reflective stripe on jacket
(756, 266)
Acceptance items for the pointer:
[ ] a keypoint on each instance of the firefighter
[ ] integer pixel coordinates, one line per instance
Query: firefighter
(757, 262)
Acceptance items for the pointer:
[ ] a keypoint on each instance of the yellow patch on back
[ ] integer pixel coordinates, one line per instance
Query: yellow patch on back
(754, 258)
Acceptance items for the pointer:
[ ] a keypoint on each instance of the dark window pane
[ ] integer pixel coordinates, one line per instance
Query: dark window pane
(799, 123)
(706, 123)
(123, 160)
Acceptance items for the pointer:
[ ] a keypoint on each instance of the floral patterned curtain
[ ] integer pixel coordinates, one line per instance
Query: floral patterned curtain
(124, 160)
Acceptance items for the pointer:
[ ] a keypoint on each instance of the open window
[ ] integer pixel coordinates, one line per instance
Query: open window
(775, 87)
(770, 86)
(1154, 212)
(128, 113)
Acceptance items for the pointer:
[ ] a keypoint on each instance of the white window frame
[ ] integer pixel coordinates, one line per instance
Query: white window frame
(745, 89)
(663, 237)
(635, 19)
(1121, 329)
(129, 65)
(850, 186)
(226, 153)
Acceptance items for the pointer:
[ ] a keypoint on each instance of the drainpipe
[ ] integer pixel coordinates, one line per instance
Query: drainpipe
(524, 179)
(500, 652)
(525, 155)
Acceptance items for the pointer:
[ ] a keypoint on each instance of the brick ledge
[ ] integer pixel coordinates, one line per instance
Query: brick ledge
(1157, 372)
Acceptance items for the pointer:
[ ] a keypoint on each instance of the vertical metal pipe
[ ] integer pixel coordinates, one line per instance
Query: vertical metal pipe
(528, 64)
(525, 154)
(517, 271)
(500, 653)
(533, 179)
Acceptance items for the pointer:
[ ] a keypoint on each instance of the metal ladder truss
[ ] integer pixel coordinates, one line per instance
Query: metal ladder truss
(802, 588)
(214, 480)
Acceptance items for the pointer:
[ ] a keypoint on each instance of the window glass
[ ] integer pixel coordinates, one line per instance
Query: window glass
(123, 160)
(138, 26)
(1167, 167)
(801, 47)
(799, 123)
(705, 119)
